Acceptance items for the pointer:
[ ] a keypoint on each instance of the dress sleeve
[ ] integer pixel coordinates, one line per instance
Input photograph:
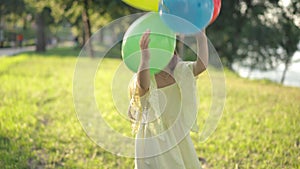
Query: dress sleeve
(190, 65)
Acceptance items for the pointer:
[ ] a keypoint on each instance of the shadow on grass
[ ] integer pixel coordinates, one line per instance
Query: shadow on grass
(4, 142)
(12, 154)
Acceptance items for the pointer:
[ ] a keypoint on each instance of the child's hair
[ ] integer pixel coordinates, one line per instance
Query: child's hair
(135, 108)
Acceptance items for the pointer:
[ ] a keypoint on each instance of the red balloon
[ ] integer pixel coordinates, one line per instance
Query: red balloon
(217, 8)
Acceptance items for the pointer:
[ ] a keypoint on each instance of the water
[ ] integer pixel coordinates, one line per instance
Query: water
(292, 76)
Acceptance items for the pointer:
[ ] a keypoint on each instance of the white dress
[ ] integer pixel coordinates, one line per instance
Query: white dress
(163, 140)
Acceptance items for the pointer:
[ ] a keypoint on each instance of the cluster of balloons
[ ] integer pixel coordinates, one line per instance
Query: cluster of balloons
(198, 13)
(169, 17)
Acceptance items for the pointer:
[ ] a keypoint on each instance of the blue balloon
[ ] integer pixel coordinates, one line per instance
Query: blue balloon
(186, 16)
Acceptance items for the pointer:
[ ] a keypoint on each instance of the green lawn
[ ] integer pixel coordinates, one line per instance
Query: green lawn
(39, 127)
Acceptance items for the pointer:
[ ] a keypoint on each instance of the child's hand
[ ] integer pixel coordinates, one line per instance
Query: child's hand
(143, 75)
(144, 43)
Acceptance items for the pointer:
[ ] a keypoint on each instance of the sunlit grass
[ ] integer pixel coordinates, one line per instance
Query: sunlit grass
(39, 128)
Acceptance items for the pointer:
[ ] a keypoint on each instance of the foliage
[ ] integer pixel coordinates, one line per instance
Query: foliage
(289, 26)
(11, 7)
(100, 12)
(251, 32)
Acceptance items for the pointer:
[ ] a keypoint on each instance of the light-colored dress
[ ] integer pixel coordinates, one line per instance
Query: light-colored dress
(169, 113)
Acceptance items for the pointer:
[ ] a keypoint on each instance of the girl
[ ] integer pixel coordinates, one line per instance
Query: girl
(164, 107)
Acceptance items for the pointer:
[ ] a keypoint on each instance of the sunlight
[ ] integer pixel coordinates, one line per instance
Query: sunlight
(285, 3)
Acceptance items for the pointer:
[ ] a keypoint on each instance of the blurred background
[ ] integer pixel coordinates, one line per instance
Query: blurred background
(257, 39)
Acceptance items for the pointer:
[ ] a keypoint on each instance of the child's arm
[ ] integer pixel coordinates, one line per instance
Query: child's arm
(202, 60)
(143, 75)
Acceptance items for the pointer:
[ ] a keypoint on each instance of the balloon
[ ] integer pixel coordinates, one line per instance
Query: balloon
(162, 43)
(217, 8)
(147, 5)
(186, 16)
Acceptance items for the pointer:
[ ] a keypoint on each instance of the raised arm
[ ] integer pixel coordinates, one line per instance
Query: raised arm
(201, 64)
(143, 75)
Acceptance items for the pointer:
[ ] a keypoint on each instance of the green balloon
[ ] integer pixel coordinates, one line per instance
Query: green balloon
(162, 43)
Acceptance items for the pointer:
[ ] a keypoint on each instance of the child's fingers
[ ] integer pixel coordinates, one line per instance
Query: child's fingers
(144, 42)
(146, 34)
(147, 41)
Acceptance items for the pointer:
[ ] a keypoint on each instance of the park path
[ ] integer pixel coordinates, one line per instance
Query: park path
(14, 51)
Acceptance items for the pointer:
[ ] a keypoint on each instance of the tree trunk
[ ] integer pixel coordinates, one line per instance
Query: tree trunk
(286, 66)
(24, 23)
(87, 29)
(40, 33)
(1, 31)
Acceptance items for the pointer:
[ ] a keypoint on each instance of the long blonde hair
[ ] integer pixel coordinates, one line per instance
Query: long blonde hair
(135, 108)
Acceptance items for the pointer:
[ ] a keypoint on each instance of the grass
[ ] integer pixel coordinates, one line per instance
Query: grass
(39, 127)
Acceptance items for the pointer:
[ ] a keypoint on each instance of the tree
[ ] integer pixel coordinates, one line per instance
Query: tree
(87, 16)
(257, 34)
(42, 16)
(11, 7)
(279, 33)
(289, 31)
(237, 33)
(42, 20)
(10, 10)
